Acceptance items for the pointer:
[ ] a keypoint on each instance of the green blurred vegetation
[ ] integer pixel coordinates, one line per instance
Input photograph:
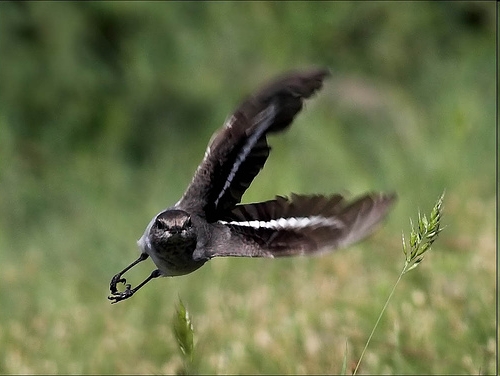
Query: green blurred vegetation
(105, 111)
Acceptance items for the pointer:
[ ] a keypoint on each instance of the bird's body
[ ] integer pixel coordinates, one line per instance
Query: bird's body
(209, 221)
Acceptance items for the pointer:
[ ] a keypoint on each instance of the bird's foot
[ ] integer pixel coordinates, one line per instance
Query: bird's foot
(114, 281)
(119, 296)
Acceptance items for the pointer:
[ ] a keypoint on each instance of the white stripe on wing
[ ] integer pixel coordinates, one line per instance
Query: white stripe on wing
(289, 223)
(266, 117)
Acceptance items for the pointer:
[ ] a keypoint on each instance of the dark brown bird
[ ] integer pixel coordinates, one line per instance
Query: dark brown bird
(209, 221)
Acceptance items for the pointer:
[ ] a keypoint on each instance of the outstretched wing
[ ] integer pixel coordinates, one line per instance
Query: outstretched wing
(301, 225)
(238, 151)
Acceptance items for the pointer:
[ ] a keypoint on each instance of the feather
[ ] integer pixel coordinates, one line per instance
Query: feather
(302, 224)
(238, 151)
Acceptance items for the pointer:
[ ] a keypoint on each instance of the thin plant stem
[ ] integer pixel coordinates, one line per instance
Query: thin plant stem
(378, 320)
(421, 238)
(344, 361)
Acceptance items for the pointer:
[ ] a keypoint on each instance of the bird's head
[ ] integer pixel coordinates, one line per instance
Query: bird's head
(172, 226)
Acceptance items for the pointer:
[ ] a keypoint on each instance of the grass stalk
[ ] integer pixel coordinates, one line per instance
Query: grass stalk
(421, 238)
(184, 334)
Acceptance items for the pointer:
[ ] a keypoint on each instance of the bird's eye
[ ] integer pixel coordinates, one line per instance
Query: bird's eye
(161, 225)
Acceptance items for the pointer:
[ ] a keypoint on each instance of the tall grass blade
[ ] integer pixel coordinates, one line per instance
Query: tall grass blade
(421, 238)
(184, 334)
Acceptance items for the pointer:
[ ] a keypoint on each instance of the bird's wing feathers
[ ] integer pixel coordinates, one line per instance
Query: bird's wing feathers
(238, 151)
(300, 225)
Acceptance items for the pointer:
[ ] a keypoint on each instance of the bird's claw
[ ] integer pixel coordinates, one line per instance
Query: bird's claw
(114, 281)
(119, 296)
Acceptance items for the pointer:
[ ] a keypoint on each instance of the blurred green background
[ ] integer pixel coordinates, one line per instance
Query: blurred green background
(105, 112)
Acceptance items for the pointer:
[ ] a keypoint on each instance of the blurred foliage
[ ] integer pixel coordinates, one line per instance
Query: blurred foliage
(130, 82)
(105, 111)
(182, 327)
(117, 77)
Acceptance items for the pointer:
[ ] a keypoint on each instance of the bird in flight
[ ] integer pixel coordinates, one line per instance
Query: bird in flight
(209, 220)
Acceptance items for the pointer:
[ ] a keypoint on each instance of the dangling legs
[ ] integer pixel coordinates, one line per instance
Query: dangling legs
(119, 296)
(118, 277)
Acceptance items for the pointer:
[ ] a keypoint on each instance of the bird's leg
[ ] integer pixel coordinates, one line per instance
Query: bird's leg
(119, 296)
(118, 277)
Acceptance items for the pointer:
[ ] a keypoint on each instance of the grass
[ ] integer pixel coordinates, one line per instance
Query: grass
(182, 327)
(421, 238)
(413, 115)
